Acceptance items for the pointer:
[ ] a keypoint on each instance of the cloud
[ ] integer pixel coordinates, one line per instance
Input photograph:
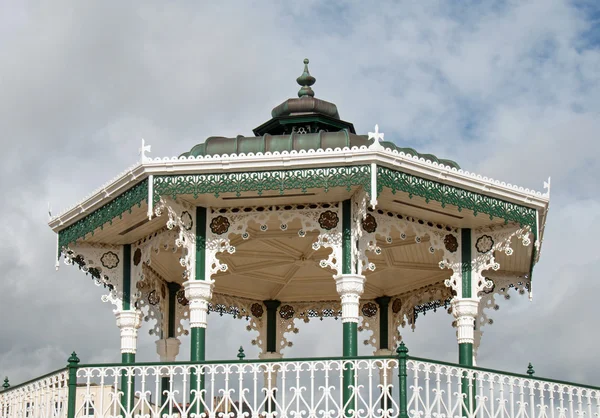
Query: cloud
(507, 89)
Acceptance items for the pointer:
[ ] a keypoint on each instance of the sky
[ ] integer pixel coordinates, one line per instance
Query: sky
(508, 89)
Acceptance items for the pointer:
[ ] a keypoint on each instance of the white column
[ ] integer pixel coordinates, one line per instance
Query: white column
(129, 322)
(350, 287)
(168, 349)
(198, 293)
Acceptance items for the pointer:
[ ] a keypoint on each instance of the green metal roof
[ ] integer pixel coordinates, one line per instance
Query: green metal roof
(216, 145)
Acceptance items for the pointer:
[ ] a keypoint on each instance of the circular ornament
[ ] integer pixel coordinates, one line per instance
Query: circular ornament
(186, 220)
(369, 224)
(257, 310)
(451, 243)
(328, 220)
(396, 305)
(137, 257)
(181, 299)
(369, 309)
(109, 260)
(153, 298)
(219, 225)
(484, 244)
(286, 312)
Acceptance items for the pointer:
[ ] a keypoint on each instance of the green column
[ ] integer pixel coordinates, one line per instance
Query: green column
(72, 394)
(271, 306)
(198, 334)
(465, 350)
(384, 303)
(173, 288)
(402, 352)
(127, 382)
(350, 329)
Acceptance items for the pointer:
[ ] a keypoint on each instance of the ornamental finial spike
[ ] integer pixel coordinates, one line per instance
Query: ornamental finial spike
(530, 370)
(306, 80)
(6, 385)
(73, 360)
(241, 354)
(143, 150)
(402, 350)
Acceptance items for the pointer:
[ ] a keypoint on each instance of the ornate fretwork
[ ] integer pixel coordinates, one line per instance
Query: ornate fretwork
(501, 287)
(288, 312)
(407, 306)
(389, 224)
(451, 195)
(485, 243)
(98, 218)
(259, 182)
(182, 216)
(152, 300)
(370, 315)
(88, 257)
(238, 221)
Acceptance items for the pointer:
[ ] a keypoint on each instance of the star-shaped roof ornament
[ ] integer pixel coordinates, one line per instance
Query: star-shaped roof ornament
(377, 137)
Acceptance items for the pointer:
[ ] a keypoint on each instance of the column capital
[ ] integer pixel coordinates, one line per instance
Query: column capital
(168, 349)
(350, 284)
(350, 287)
(465, 311)
(129, 322)
(198, 293)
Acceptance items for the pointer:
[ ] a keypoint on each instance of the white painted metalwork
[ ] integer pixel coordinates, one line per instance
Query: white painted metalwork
(45, 397)
(439, 390)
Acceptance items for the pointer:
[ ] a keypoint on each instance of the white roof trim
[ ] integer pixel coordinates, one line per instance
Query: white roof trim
(303, 159)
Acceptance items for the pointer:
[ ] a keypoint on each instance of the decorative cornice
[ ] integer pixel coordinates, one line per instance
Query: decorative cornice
(313, 159)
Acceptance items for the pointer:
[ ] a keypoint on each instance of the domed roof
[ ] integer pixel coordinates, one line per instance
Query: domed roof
(297, 124)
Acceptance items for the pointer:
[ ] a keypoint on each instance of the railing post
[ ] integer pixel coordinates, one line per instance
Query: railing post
(402, 352)
(72, 400)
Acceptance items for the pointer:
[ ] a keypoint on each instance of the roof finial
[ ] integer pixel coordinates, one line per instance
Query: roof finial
(306, 80)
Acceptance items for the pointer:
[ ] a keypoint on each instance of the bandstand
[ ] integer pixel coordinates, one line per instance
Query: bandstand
(306, 219)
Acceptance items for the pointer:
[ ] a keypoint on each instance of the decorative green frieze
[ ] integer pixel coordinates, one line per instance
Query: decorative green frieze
(261, 181)
(107, 213)
(451, 195)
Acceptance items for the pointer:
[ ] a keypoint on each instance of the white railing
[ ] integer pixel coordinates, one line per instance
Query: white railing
(45, 397)
(445, 390)
(311, 388)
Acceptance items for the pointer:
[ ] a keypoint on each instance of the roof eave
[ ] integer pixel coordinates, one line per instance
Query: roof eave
(320, 158)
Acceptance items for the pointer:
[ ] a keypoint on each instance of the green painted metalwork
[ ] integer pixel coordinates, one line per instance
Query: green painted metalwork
(173, 289)
(465, 252)
(72, 396)
(126, 277)
(465, 358)
(530, 370)
(402, 353)
(450, 195)
(5, 385)
(200, 243)
(106, 214)
(346, 237)
(240, 355)
(272, 306)
(128, 382)
(261, 181)
(350, 349)
(384, 303)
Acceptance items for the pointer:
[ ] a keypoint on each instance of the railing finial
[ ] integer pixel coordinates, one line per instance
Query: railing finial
(241, 354)
(73, 360)
(6, 385)
(530, 370)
